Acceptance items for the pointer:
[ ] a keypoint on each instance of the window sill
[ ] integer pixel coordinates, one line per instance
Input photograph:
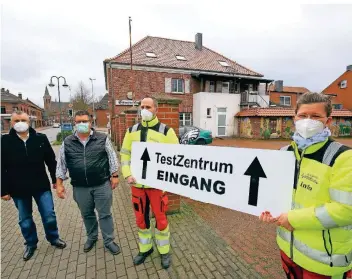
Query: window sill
(178, 93)
(208, 116)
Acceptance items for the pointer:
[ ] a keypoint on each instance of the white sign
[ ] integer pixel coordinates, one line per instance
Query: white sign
(242, 179)
(126, 103)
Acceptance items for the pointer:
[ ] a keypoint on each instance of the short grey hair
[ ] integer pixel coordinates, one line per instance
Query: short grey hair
(314, 98)
(18, 112)
(155, 101)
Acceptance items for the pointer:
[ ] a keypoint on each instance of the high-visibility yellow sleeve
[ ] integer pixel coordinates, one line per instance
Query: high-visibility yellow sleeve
(171, 137)
(125, 153)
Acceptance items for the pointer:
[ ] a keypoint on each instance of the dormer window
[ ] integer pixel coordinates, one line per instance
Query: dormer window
(150, 54)
(343, 84)
(180, 57)
(223, 63)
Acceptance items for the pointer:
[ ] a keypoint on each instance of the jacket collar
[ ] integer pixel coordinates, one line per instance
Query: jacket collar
(92, 135)
(31, 132)
(310, 149)
(150, 123)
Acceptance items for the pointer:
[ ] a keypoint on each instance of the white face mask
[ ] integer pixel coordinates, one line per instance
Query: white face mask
(308, 128)
(146, 115)
(21, 127)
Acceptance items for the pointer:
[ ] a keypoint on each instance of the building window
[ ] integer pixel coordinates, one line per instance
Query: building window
(180, 57)
(343, 84)
(3, 110)
(337, 106)
(208, 112)
(185, 119)
(14, 108)
(151, 54)
(285, 100)
(223, 63)
(177, 85)
(212, 86)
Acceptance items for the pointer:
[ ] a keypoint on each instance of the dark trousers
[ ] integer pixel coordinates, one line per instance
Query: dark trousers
(45, 203)
(99, 198)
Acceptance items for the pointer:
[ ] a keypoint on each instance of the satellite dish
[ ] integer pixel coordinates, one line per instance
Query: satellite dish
(130, 95)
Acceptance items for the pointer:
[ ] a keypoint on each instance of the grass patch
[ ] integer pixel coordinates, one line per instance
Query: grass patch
(57, 142)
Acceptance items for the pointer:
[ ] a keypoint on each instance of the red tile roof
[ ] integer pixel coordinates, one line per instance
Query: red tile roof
(166, 51)
(290, 89)
(285, 112)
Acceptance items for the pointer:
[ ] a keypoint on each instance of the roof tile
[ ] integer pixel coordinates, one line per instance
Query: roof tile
(166, 51)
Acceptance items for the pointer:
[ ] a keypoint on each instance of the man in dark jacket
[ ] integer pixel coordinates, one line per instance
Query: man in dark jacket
(24, 153)
(93, 166)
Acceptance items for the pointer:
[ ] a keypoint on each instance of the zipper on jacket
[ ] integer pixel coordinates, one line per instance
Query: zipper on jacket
(85, 165)
(25, 147)
(298, 166)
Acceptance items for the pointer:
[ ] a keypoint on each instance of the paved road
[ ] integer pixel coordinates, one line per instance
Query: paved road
(51, 133)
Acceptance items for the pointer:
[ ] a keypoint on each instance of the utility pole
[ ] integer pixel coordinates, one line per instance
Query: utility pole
(91, 79)
(132, 85)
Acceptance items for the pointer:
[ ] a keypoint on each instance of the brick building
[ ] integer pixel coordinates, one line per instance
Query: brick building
(52, 110)
(102, 112)
(285, 96)
(182, 69)
(11, 103)
(273, 123)
(341, 90)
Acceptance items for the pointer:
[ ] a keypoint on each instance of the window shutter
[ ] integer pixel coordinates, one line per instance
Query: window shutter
(167, 85)
(187, 86)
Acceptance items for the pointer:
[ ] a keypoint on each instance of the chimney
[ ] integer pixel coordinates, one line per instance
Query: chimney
(349, 68)
(20, 95)
(279, 84)
(199, 41)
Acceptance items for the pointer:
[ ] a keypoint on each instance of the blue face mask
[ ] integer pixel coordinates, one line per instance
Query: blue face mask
(82, 128)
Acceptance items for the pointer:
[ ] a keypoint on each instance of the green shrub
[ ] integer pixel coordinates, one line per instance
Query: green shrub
(61, 136)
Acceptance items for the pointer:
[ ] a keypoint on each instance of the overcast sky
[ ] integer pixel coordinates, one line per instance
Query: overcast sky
(304, 45)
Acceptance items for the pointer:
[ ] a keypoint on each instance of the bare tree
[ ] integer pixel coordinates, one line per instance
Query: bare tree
(82, 98)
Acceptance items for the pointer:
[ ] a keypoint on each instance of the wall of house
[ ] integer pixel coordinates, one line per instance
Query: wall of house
(275, 98)
(341, 127)
(283, 127)
(102, 119)
(344, 95)
(204, 100)
(149, 83)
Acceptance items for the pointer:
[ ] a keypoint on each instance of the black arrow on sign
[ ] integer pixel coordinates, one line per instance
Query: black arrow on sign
(255, 171)
(145, 158)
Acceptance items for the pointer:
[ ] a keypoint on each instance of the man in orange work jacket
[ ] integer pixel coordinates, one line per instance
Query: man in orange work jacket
(149, 130)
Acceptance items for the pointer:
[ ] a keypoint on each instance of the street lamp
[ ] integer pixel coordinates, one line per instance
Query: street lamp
(51, 84)
(91, 80)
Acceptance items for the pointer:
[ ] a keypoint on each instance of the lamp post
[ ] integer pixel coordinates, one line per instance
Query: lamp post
(51, 84)
(91, 80)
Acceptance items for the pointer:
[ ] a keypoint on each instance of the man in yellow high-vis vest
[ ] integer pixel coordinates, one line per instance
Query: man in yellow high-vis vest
(315, 236)
(149, 130)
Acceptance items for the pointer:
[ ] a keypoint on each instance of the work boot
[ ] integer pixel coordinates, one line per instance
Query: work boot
(89, 245)
(113, 248)
(140, 258)
(165, 260)
(29, 252)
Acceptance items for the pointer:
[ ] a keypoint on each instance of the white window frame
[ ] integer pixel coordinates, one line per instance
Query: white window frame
(284, 103)
(178, 86)
(343, 84)
(227, 85)
(180, 57)
(150, 54)
(182, 119)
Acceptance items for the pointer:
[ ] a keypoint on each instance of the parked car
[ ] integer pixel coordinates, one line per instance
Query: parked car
(56, 125)
(195, 135)
(67, 127)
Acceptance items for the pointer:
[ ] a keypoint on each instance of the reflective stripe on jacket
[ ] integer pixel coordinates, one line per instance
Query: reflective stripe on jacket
(321, 212)
(152, 131)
